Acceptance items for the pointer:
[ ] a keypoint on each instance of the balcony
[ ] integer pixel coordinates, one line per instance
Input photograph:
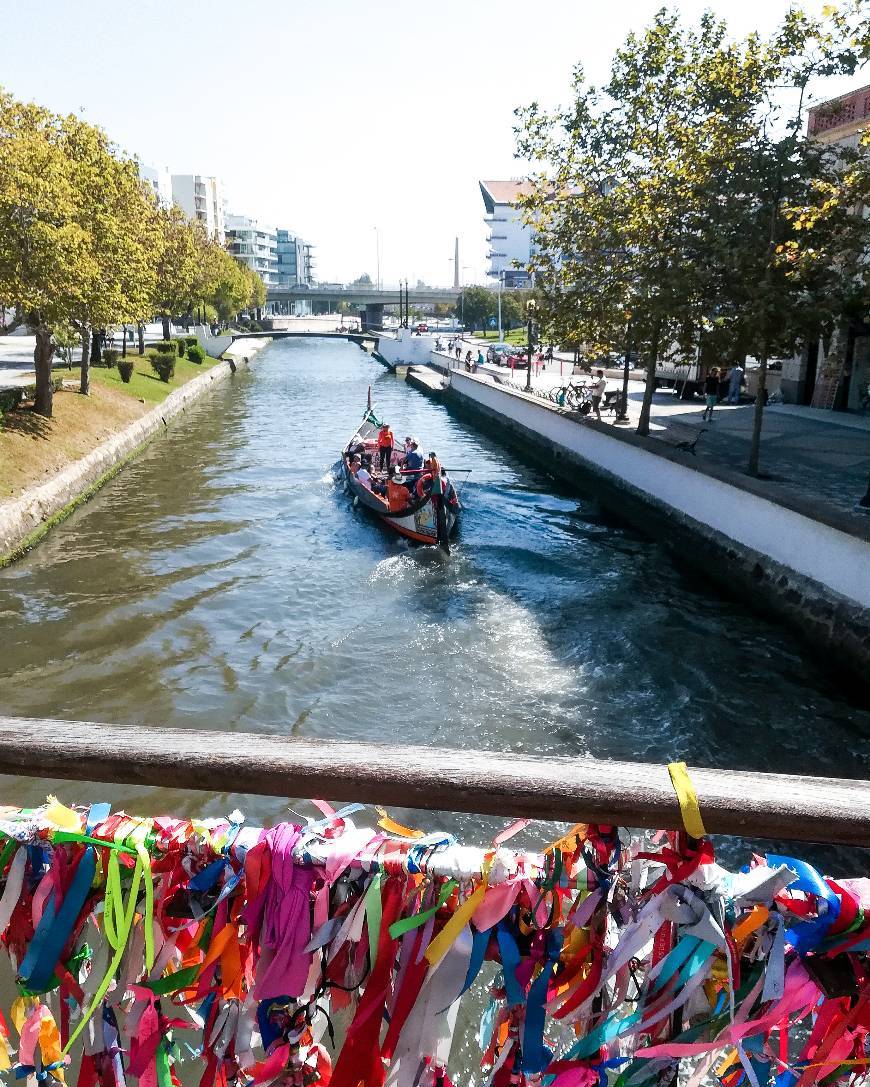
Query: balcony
(494, 219)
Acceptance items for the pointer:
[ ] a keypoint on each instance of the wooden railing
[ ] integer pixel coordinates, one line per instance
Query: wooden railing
(437, 779)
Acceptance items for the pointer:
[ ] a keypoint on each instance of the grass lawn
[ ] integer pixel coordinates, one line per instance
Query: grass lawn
(145, 384)
(33, 449)
(516, 335)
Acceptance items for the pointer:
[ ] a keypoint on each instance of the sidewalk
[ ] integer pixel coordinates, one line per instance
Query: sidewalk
(821, 455)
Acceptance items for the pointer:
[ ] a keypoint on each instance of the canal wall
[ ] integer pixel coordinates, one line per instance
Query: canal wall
(809, 566)
(26, 519)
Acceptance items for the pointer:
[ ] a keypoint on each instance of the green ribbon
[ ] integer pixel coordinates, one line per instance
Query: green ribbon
(405, 924)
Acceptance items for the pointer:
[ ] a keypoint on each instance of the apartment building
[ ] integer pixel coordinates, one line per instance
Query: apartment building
(160, 181)
(509, 240)
(295, 259)
(256, 244)
(201, 197)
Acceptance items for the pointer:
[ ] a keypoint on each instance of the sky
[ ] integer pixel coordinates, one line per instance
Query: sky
(363, 126)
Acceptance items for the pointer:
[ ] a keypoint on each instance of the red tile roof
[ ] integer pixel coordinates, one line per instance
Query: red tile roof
(503, 192)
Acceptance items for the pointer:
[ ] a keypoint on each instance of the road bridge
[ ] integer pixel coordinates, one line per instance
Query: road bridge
(325, 298)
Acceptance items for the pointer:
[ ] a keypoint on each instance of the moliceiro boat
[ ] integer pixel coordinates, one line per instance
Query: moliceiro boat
(406, 498)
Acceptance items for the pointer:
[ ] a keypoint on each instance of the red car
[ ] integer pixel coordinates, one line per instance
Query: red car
(422, 328)
(517, 361)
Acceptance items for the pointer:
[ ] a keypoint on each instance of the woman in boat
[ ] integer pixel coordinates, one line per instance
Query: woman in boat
(385, 446)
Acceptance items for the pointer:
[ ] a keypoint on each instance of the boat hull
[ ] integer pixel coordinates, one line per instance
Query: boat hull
(418, 522)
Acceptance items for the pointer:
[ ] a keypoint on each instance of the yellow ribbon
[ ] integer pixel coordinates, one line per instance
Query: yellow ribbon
(688, 800)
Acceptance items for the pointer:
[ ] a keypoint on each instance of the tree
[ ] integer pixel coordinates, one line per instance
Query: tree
(178, 264)
(365, 280)
(668, 204)
(630, 172)
(476, 305)
(117, 216)
(47, 263)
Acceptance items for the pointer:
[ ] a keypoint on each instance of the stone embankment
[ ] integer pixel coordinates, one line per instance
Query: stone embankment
(808, 565)
(26, 519)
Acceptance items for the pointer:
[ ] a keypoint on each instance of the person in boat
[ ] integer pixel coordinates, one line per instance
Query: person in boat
(360, 473)
(412, 461)
(397, 493)
(407, 444)
(385, 446)
(412, 464)
(434, 486)
(447, 489)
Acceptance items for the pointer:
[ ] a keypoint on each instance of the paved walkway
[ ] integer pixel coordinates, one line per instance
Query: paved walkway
(820, 454)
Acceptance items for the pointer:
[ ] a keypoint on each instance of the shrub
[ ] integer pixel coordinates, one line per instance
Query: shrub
(111, 356)
(254, 326)
(191, 341)
(125, 369)
(163, 364)
(163, 346)
(195, 353)
(180, 345)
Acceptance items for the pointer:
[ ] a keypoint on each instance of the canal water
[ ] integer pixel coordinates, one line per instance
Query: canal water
(223, 581)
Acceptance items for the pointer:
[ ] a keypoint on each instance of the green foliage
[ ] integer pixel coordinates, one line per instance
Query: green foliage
(163, 364)
(196, 353)
(684, 200)
(110, 357)
(191, 341)
(163, 346)
(125, 369)
(476, 305)
(180, 345)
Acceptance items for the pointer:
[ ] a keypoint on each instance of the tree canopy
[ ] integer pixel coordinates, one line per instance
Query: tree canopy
(684, 197)
(83, 244)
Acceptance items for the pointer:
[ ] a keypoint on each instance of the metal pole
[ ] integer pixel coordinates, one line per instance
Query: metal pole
(378, 258)
(529, 358)
(500, 281)
(623, 410)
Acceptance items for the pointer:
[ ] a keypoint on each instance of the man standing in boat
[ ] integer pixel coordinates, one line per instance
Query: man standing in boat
(385, 446)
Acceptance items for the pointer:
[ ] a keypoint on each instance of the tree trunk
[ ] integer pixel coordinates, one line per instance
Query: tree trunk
(96, 354)
(755, 444)
(85, 384)
(165, 319)
(141, 330)
(643, 422)
(42, 355)
(124, 341)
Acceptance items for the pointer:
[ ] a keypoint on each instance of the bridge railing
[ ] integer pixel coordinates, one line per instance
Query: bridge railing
(757, 805)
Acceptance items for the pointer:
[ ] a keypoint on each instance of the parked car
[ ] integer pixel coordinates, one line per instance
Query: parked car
(422, 328)
(500, 352)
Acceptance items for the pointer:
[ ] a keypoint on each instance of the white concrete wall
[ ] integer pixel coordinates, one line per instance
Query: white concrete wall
(814, 550)
(406, 349)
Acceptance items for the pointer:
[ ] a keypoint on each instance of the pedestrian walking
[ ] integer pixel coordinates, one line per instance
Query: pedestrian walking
(598, 390)
(735, 380)
(711, 393)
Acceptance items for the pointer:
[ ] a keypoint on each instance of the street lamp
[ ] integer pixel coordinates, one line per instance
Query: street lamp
(622, 418)
(377, 257)
(500, 285)
(531, 307)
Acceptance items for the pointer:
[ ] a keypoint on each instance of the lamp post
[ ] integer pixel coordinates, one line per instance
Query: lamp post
(377, 257)
(500, 285)
(622, 418)
(530, 315)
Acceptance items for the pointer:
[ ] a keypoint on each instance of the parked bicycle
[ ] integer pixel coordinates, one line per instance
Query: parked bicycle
(574, 397)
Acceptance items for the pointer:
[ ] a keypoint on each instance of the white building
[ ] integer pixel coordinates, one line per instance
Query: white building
(202, 198)
(160, 181)
(509, 240)
(256, 244)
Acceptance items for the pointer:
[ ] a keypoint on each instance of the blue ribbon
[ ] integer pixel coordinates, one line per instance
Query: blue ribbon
(510, 960)
(804, 936)
(536, 1056)
(55, 925)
